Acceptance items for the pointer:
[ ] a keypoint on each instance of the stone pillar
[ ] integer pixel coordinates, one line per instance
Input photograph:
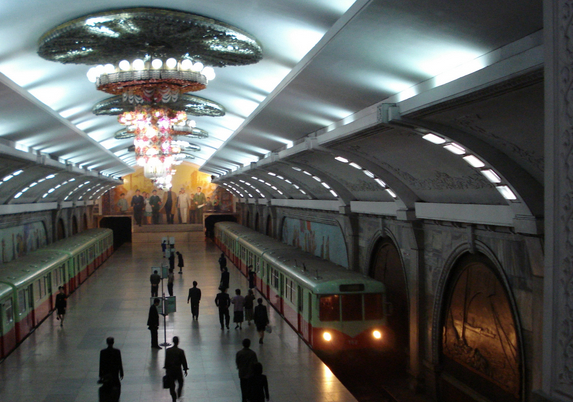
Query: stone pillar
(557, 368)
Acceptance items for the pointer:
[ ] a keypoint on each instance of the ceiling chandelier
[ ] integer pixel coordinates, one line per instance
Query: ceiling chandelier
(150, 59)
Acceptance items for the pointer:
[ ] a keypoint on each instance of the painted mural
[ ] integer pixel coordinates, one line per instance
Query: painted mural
(479, 331)
(20, 240)
(324, 241)
(187, 177)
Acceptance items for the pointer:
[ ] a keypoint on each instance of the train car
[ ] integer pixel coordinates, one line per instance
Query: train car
(87, 251)
(28, 285)
(7, 320)
(32, 279)
(332, 308)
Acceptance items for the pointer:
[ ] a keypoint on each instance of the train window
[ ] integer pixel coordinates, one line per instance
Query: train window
(290, 290)
(275, 278)
(9, 310)
(329, 308)
(373, 307)
(351, 307)
(22, 301)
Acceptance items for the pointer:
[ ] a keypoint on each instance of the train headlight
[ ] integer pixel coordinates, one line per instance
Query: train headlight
(377, 334)
(327, 337)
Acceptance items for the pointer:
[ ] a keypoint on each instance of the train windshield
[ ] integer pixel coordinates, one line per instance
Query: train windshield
(329, 308)
(373, 307)
(351, 307)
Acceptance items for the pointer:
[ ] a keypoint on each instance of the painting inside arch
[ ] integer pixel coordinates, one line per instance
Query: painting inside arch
(325, 241)
(187, 176)
(479, 329)
(18, 241)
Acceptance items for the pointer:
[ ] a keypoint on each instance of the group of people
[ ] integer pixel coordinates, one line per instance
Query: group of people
(254, 387)
(254, 384)
(189, 208)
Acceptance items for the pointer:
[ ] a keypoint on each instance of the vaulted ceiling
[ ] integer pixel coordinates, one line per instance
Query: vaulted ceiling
(359, 80)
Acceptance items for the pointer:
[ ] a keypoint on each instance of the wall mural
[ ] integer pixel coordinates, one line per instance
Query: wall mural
(479, 330)
(325, 241)
(187, 177)
(20, 240)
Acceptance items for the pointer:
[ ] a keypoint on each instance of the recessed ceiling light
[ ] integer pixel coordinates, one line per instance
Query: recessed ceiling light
(433, 138)
(455, 148)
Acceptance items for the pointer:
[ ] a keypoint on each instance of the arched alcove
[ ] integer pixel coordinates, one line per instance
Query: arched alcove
(480, 350)
(386, 267)
(269, 226)
(257, 222)
(86, 226)
(74, 225)
(60, 230)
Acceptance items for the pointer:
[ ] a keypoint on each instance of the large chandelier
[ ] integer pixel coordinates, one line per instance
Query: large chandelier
(150, 59)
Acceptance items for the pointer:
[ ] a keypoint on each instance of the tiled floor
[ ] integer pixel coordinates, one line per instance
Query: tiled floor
(61, 364)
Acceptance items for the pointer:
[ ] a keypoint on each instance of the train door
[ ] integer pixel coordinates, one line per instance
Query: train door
(281, 293)
(300, 308)
(25, 321)
(309, 318)
(7, 330)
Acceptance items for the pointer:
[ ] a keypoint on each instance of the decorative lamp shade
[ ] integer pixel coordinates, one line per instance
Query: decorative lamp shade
(154, 169)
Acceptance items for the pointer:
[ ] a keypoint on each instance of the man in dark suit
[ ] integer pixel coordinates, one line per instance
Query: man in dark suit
(110, 372)
(153, 323)
(223, 301)
(138, 204)
(195, 298)
(174, 361)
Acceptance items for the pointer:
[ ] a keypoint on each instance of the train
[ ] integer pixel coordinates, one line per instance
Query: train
(29, 285)
(332, 309)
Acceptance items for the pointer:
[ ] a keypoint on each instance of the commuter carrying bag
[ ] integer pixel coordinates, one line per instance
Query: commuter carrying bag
(165, 382)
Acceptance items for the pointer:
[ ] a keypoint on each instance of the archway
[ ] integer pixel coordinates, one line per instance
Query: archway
(480, 349)
(60, 230)
(386, 267)
(257, 222)
(74, 225)
(86, 226)
(269, 227)
(248, 219)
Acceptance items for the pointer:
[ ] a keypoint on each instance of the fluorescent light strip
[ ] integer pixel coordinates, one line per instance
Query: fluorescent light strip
(434, 139)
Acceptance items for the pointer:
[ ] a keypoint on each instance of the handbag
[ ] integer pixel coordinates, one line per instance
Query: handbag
(269, 329)
(165, 382)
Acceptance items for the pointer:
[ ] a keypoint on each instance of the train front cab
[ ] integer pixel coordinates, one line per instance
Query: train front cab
(7, 320)
(348, 321)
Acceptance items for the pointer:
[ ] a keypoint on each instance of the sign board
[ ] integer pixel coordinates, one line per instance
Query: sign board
(170, 304)
(164, 271)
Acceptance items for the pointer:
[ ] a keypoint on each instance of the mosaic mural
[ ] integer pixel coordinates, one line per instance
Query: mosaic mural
(325, 241)
(20, 240)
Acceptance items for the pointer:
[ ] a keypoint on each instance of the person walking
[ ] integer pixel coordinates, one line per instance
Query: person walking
(261, 318)
(110, 372)
(238, 301)
(194, 297)
(153, 323)
(155, 203)
(224, 284)
(252, 277)
(180, 263)
(164, 247)
(154, 279)
(245, 360)
(223, 301)
(249, 306)
(170, 280)
(61, 304)
(259, 385)
(138, 204)
(222, 261)
(175, 364)
(171, 258)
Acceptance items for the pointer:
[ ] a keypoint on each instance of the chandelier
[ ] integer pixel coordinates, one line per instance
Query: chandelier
(150, 59)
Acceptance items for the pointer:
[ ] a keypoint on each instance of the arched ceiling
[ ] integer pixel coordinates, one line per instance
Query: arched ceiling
(360, 80)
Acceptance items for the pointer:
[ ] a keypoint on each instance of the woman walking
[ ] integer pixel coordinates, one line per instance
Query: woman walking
(238, 302)
(249, 305)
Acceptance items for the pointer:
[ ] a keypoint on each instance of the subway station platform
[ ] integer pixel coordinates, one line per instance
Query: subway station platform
(60, 364)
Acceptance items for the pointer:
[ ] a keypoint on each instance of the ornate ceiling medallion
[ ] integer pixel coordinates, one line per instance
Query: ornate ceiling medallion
(146, 33)
(190, 104)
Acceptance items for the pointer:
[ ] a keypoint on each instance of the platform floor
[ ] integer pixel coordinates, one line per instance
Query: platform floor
(60, 364)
